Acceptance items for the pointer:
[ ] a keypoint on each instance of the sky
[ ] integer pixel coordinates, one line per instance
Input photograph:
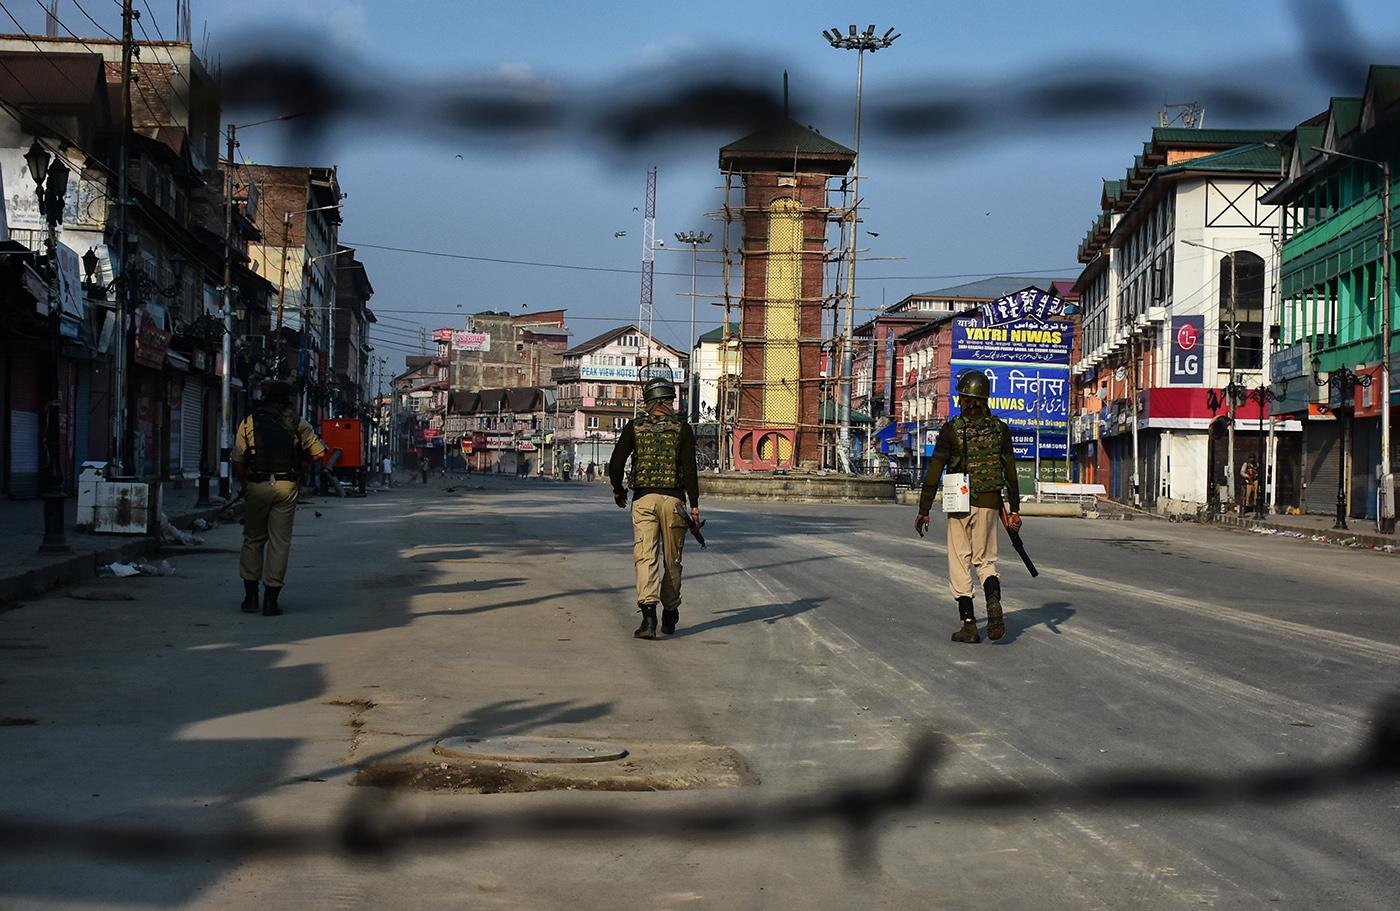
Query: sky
(988, 128)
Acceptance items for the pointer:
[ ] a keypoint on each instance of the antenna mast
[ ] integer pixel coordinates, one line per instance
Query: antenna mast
(646, 312)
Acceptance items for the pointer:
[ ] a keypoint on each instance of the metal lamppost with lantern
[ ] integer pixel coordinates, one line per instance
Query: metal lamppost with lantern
(1344, 382)
(1263, 395)
(50, 175)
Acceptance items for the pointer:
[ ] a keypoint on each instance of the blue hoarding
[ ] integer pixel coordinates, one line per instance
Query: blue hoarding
(1027, 364)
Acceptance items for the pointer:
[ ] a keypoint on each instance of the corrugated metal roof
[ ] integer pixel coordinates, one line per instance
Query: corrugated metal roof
(1213, 137)
(1255, 158)
(1346, 113)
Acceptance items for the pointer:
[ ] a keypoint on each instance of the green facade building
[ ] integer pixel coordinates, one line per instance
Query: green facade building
(1330, 286)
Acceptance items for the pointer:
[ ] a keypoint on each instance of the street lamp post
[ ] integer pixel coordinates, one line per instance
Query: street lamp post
(1264, 394)
(1346, 382)
(51, 186)
(1386, 515)
(860, 42)
(695, 239)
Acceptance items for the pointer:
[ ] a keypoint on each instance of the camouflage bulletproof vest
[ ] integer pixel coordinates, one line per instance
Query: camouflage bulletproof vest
(656, 460)
(275, 448)
(980, 439)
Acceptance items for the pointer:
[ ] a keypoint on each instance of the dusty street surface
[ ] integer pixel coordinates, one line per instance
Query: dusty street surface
(813, 649)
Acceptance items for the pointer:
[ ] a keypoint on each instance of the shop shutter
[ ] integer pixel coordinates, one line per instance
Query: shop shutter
(82, 419)
(191, 426)
(26, 402)
(1324, 466)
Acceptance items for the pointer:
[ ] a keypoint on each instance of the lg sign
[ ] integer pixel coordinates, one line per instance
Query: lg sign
(1187, 368)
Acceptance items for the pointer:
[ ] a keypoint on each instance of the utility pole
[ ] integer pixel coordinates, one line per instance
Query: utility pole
(1234, 338)
(121, 343)
(226, 370)
(860, 42)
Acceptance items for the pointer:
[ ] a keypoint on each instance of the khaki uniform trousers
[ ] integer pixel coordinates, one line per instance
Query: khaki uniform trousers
(658, 536)
(267, 527)
(972, 542)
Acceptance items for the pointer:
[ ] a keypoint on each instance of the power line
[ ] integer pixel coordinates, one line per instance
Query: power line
(95, 23)
(624, 271)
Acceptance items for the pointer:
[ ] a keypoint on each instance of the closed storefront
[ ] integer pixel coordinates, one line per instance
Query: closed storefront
(25, 405)
(1324, 463)
(191, 423)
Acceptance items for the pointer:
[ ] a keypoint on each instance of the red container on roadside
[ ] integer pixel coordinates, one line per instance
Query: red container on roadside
(346, 435)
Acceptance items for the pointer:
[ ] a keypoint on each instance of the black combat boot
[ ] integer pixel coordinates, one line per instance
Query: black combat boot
(270, 608)
(670, 616)
(648, 628)
(968, 631)
(250, 597)
(995, 627)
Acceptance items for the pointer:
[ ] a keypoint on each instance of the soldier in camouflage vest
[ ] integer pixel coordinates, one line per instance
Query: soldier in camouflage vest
(976, 443)
(661, 448)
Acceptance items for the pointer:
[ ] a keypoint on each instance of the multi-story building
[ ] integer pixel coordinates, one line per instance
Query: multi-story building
(1175, 301)
(351, 386)
(158, 422)
(713, 359)
(299, 219)
(419, 409)
(508, 350)
(504, 431)
(714, 367)
(600, 390)
(1331, 286)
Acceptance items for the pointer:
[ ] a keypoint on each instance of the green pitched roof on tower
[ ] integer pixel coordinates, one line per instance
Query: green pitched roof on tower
(786, 137)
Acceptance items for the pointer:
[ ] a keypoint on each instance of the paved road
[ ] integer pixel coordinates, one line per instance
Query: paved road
(815, 646)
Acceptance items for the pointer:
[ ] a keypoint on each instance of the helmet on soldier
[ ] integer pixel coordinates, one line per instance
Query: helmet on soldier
(276, 392)
(973, 384)
(658, 389)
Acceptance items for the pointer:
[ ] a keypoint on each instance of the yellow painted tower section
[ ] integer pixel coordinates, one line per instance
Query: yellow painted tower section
(781, 326)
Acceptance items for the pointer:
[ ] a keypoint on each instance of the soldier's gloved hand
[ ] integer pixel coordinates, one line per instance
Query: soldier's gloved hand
(921, 523)
(620, 498)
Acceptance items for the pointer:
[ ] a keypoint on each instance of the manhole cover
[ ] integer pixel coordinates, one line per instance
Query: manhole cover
(528, 749)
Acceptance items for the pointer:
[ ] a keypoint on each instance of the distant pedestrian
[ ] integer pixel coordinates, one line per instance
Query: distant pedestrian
(423, 469)
(1249, 474)
(975, 446)
(267, 456)
(591, 471)
(388, 472)
(662, 448)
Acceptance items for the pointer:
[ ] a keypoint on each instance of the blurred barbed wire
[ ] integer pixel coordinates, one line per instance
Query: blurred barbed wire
(373, 827)
(729, 93)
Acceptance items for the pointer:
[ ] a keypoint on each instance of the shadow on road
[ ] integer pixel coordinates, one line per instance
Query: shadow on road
(1050, 615)
(765, 613)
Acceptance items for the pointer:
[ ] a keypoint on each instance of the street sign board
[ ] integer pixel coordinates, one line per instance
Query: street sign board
(1026, 361)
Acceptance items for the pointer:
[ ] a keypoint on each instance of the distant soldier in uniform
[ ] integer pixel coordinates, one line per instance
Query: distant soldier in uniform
(267, 458)
(978, 444)
(1249, 474)
(662, 448)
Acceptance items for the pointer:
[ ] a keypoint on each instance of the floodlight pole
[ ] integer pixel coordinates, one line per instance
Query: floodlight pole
(860, 42)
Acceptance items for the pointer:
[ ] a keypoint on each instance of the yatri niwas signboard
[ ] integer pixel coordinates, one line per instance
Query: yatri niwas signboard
(1024, 352)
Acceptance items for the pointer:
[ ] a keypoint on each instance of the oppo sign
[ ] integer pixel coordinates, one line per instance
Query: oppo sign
(1188, 350)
